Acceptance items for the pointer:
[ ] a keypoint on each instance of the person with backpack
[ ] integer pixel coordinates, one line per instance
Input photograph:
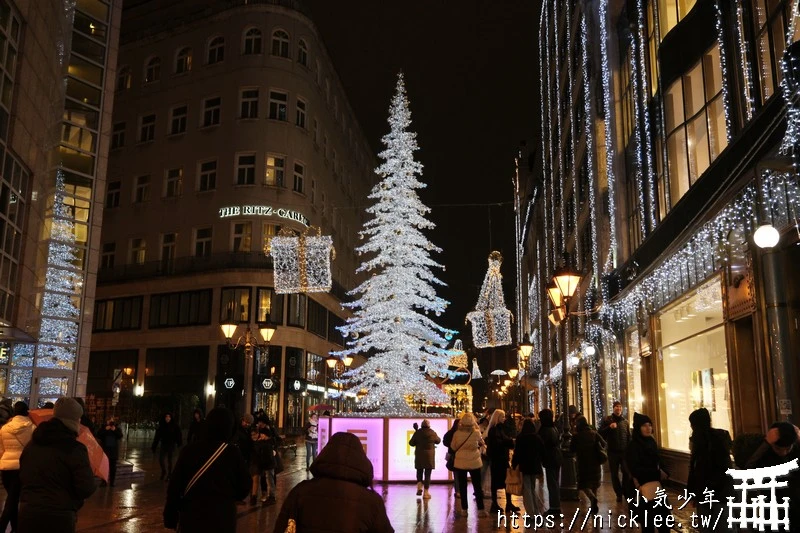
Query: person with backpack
(708, 463)
(551, 459)
(589, 449)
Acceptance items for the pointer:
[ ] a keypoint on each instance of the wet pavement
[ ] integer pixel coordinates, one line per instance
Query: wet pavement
(135, 505)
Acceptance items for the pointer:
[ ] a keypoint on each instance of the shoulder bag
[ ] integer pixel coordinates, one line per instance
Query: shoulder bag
(513, 481)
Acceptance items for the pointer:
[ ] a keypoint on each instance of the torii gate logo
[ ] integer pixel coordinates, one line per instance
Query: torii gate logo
(760, 511)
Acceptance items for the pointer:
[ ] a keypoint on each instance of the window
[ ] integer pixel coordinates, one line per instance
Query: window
(334, 335)
(670, 12)
(141, 191)
(173, 184)
(652, 47)
(280, 43)
(117, 314)
(124, 79)
(216, 50)
(235, 304)
(300, 118)
(107, 255)
(177, 121)
(769, 21)
(152, 70)
(317, 318)
(168, 242)
(302, 53)
(695, 123)
(202, 242)
(269, 306)
(242, 236)
(275, 168)
(277, 105)
(207, 176)
(249, 103)
(183, 60)
(252, 42)
(138, 249)
(299, 170)
(118, 135)
(191, 308)
(297, 310)
(112, 194)
(269, 231)
(211, 107)
(147, 129)
(246, 169)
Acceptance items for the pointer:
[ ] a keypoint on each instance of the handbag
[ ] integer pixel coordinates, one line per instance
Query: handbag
(600, 450)
(513, 481)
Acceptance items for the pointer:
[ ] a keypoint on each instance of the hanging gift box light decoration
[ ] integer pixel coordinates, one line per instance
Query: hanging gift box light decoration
(459, 357)
(301, 263)
(491, 321)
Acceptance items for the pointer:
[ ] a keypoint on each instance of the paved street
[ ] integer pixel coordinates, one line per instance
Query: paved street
(136, 507)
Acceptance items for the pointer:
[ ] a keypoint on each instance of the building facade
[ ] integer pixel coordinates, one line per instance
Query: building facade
(693, 152)
(55, 120)
(227, 130)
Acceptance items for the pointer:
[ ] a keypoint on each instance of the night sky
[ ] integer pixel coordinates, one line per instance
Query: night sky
(472, 79)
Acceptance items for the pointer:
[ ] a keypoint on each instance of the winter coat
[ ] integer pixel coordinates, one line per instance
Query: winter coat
(766, 456)
(196, 428)
(498, 444)
(424, 441)
(109, 440)
(643, 460)
(210, 505)
(585, 445)
(56, 478)
(339, 499)
(617, 438)
(552, 457)
(528, 453)
(14, 436)
(467, 443)
(262, 455)
(709, 460)
(169, 435)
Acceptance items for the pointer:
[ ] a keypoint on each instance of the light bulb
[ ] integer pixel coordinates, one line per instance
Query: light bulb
(766, 236)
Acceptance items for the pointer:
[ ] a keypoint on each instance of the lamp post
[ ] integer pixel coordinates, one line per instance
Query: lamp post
(250, 342)
(338, 366)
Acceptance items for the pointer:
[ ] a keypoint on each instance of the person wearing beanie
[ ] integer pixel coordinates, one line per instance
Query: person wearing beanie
(169, 436)
(55, 473)
(14, 436)
(467, 445)
(781, 445)
(210, 503)
(644, 465)
(424, 441)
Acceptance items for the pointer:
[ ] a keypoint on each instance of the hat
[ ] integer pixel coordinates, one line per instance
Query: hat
(20, 409)
(69, 412)
(248, 418)
(426, 423)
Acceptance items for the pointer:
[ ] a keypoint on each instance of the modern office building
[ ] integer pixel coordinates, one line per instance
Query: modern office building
(228, 127)
(57, 61)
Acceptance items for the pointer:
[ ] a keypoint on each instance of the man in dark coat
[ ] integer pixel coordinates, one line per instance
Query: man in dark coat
(616, 432)
(210, 504)
(551, 459)
(109, 437)
(55, 473)
(585, 445)
(196, 427)
(169, 435)
(528, 453)
(708, 463)
(424, 441)
(340, 498)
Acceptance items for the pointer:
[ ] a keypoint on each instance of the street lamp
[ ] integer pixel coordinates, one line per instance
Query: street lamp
(250, 342)
(337, 366)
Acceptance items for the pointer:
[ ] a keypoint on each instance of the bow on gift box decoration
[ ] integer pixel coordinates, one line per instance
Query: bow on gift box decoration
(301, 263)
(491, 321)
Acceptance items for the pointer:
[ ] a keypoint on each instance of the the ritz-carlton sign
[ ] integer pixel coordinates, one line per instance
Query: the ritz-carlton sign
(261, 211)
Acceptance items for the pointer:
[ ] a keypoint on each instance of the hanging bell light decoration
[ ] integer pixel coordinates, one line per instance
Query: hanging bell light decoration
(301, 263)
(476, 371)
(491, 321)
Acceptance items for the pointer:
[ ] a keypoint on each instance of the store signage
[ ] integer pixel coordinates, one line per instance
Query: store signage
(267, 383)
(262, 211)
(297, 385)
(229, 383)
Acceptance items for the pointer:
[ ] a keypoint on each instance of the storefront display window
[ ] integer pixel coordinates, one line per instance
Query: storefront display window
(693, 365)
(633, 372)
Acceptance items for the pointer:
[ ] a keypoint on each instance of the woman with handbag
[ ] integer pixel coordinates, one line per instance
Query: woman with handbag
(644, 465)
(209, 478)
(528, 452)
(589, 449)
(498, 446)
(466, 445)
(447, 439)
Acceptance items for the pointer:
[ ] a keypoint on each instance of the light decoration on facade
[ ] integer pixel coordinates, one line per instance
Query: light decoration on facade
(572, 127)
(709, 297)
(637, 135)
(458, 358)
(608, 114)
(301, 263)
(389, 318)
(744, 65)
(476, 371)
(726, 101)
(790, 86)
(491, 321)
(648, 134)
(562, 209)
(548, 140)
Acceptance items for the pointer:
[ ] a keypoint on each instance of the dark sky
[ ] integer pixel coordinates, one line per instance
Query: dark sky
(471, 74)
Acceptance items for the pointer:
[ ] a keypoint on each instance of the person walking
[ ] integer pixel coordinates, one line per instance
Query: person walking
(644, 465)
(169, 436)
(210, 476)
(498, 445)
(109, 437)
(467, 444)
(14, 436)
(551, 460)
(424, 441)
(339, 499)
(447, 439)
(528, 454)
(617, 433)
(586, 445)
(708, 464)
(310, 430)
(262, 463)
(196, 427)
(55, 473)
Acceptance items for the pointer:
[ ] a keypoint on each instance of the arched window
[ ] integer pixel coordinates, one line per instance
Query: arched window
(183, 60)
(302, 53)
(124, 79)
(152, 70)
(280, 43)
(216, 50)
(252, 42)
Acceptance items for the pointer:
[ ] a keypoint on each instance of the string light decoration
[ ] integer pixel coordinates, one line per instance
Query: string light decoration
(301, 263)
(476, 371)
(458, 358)
(648, 146)
(608, 114)
(589, 132)
(744, 55)
(723, 60)
(491, 321)
(637, 135)
(790, 86)
(389, 323)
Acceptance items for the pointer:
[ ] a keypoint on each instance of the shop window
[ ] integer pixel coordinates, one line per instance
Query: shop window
(314, 370)
(294, 363)
(670, 12)
(633, 372)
